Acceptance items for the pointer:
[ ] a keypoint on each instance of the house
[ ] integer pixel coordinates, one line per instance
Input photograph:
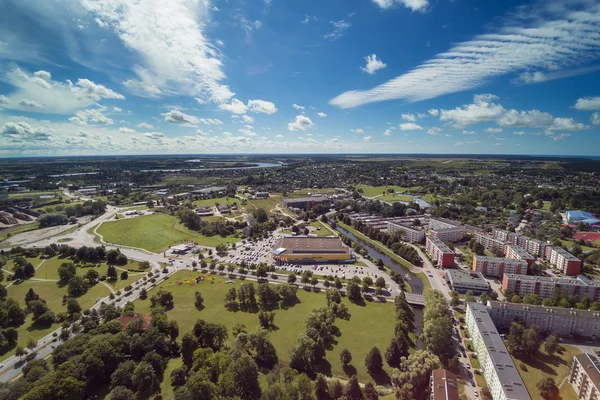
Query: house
(126, 320)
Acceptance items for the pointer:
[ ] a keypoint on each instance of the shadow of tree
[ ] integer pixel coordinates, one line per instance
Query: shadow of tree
(349, 370)
(323, 367)
(381, 377)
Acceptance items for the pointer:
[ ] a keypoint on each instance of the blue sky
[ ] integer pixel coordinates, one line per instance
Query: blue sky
(275, 76)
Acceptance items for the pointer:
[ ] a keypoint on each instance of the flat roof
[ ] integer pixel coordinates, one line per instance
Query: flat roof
(445, 385)
(579, 280)
(500, 260)
(460, 276)
(441, 246)
(559, 311)
(413, 228)
(312, 244)
(445, 220)
(502, 362)
(591, 366)
(520, 251)
(565, 253)
(307, 199)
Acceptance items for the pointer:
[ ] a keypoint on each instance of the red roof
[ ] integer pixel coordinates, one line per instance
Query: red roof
(126, 320)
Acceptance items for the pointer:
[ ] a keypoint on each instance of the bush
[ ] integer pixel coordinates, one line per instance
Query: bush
(523, 367)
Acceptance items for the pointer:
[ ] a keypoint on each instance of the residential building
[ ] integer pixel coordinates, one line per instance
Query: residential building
(453, 234)
(462, 281)
(126, 320)
(312, 249)
(439, 252)
(443, 385)
(498, 368)
(411, 234)
(442, 223)
(505, 236)
(305, 202)
(562, 321)
(563, 260)
(518, 253)
(532, 246)
(545, 287)
(489, 242)
(585, 376)
(498, 266)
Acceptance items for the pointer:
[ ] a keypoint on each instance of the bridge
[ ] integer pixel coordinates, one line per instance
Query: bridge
(417, 300)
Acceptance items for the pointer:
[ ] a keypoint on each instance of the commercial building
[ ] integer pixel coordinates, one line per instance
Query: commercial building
(518, 253)
(439, 252)
(585, 376)
(317, 249)
(489, 242)
(523, 285)
(305, 202)
(567, 263)
(443, 385)
(411, 234)
(499, 371)
(562, 321)
(498, 266)
(461, 281)
(574, 216)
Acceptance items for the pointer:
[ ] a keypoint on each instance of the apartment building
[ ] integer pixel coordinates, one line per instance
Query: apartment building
(461, 281)
(439, 252)
(489, 242)
(523, 285)
(505, 236)
(443, 385)
(499, 370)
(411, 234)
(567, 263)
(518, 253)
(442, 223)
(532, 246)
(453, 234)
(498, 266)
(562, 321)
(585, 376)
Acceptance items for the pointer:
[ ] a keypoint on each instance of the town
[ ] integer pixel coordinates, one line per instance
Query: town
(410, 279)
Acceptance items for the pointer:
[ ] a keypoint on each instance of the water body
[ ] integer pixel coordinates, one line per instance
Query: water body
(257, 165)
(415, 283)
(75, 174)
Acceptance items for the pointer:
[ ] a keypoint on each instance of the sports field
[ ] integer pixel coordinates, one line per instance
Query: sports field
(155, 233)
(219, 200)
(369, 325)
(390, 198)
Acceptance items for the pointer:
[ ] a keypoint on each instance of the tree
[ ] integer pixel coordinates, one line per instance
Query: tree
(143, 294)
(163, 298)
(66, 271)
(353, 293)
(333, 296)
(345, 357)
(380, 282)
(397, 349)
(20, 351)
(31, 344)
(92, 276)
(291, 279)
(454, 298)
(371, 392)
(551, 344)
(266, 319)
(189, 344)
(73, 306)
(547, 388)
(178, 376)
(144, 378)
(124, 275)
(77, 286)
(241, 379)
(412, 377)
(305, 279)
(486, 394)
(37, 308)
(321, 388)
(352, 390)
(199, 303)
(111, 272)
(121, 393)
(374, 361)
(469, 298)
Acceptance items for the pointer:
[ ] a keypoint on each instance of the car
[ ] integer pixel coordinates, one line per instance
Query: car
(468, 366)
(472, 383)
(1, 365)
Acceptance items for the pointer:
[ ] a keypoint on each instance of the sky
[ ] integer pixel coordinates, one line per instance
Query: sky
(104, 77)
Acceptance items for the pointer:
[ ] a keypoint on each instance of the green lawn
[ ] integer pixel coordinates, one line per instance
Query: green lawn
(390, 198)
(371, 191)
(323, 232)
(370, 325)
(165, 387)
(570, 243)
(266, 204)
(212, 202)
(155, 233)
(556, 367)
(15, 229)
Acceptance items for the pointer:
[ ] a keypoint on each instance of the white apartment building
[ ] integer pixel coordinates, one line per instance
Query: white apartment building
(498, 266)
(489, 242)
(453, 234)
(563, 260)
(499, 370)
(585, 376)
(439, 252)
(442, 223)
(518, 253)
(523, 285)
(411, 234)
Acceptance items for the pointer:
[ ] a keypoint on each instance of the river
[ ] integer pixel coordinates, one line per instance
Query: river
(256, 165)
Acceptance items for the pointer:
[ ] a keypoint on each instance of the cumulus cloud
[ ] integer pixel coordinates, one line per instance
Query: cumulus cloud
(434, 131)
(39, 92)
(126, 130)
(357, 130)
(236, 107)
(210, 121)
(339, 29)
(177, 117)
(22, 131)
(595, 118)
(92, 116)
(469, 133)
(481, 110)
(297, 107)
(409, 117)
(278, 136)
(588, 104)
(175, 57)
(248, 119)
(546, 36)
(200, 132)
(301, 123)
(322, 114)
(367, 139)
(413, 5)
(373, 64)
(144, 125)
(261, 106)
(434, 112)
(410, 126)
(493, 130)
(154, 135)
(387, 132)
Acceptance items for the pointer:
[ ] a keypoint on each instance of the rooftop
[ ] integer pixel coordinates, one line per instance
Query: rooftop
(507, 373)
(520, 251)
(566, 312)
(564, 253)
(579, 280)
(500, 260)
(445, 385)
(460, 276)
(407, 227)
(308, 244)
(591, 366)
(445, 220)
(439, 244)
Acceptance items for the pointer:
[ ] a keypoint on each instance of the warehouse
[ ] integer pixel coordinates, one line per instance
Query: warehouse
(311, 250)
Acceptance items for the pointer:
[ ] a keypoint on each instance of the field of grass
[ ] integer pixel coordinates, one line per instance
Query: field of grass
(165, 387)
(556, 367)
(155, 233)
(13, 230)
(266, 204)
(323, 232)
(371, 191)
(570, 243)
(370, 325)
(390, 198)
(308, 192)
(212, 202)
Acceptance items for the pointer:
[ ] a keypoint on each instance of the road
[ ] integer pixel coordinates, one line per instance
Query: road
(436, 276)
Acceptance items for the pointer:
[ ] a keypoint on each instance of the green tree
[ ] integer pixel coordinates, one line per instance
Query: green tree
(241, 379)
(547, 388)
(144, 378)
(374, 361)
(345, 357)
(353, 293)
(371, 392)
(77, 286)
(73, 306)
(352, 390)
(124, 275)
(199, 302)
(551, 344)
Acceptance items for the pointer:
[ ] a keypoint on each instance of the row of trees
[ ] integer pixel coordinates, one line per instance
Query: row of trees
(86, 254)
(560, 298)
(437, 328)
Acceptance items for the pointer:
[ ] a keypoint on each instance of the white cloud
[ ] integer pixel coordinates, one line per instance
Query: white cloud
(493, 130)
(126, 130)
(22, 131)
(117, 109)
(92, 116)
(297, 107)
(434, 112)
(469, 133)
(301, 123)
(595, 118)
(420, 115)
(553, 36)
(434, 131)
(413, 5)
(210, 121)
(248, 119)
(4, 99)
(519, 133)
(236, 107)
(261, 106)
(481, 110)
(40, 92)
(322, 114)
(177, 117)
(357, 130)
(588, 104)
(175, 56)
(200, 132)
(367, 139)
(387, 132)
(144, 125)
(410, 126)
(409, 117)
(373, 64)
(463, 143)
(339, 29)
(561, 136)
(154, 135)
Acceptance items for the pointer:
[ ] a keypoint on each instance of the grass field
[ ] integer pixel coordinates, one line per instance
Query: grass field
(155, 233)
(13, 230)
(370, 325)
(266, 204)
(371, 191)
(390, 198)
(556, 367)
(323, 232)
(165, 387)
(212, 202)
